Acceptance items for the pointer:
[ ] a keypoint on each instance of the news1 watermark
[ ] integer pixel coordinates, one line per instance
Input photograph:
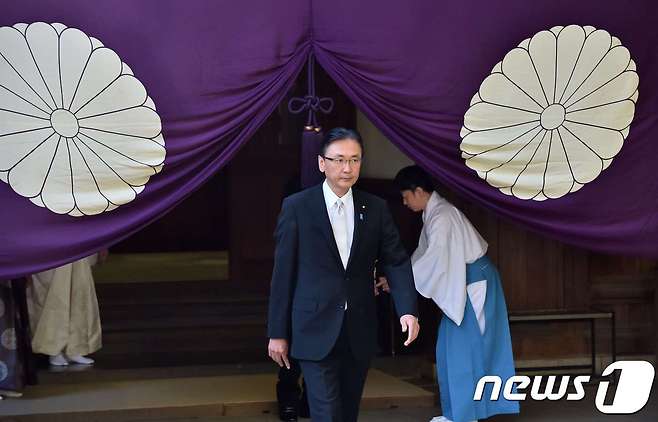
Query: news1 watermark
(630, 394)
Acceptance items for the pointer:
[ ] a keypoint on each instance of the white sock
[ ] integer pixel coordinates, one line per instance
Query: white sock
(10, 393)
(82, 360)
(58, 360)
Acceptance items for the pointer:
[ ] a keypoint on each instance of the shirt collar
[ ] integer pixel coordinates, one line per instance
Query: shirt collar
(330, 197)
(432, 203)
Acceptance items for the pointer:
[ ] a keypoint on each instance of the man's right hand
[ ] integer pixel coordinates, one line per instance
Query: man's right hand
(278, 351)
(382, 282)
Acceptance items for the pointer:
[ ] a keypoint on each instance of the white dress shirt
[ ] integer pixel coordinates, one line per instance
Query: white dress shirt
(331, 200)
(340, 221)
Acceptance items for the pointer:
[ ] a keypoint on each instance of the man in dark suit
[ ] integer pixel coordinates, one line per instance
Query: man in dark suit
(328, 239)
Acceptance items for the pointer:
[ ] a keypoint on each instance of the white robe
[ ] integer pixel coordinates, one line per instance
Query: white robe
(447, 243)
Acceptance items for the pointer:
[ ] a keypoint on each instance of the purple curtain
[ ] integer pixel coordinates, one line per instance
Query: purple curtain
(216, 69)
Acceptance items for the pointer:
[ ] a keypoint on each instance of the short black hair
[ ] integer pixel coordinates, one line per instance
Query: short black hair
(339, 134)
(412, 177)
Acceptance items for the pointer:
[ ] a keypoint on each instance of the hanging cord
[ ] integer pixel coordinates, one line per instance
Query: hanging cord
(310, 101)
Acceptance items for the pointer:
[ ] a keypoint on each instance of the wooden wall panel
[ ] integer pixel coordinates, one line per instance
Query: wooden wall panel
(627, 286)
(576, 285)
(199, 223)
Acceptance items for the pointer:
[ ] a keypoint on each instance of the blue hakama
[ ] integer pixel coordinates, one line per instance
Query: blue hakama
(464, 355)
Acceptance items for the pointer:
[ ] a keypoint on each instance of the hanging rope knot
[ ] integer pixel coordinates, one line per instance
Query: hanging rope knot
(313, 102)
(310, 101)
(297, 105)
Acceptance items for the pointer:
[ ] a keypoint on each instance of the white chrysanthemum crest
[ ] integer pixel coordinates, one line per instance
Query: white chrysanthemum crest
(79, 134)
(552, 114)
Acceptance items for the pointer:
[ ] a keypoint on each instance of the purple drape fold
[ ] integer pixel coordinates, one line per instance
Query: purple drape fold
(216, 70)
(413, 72)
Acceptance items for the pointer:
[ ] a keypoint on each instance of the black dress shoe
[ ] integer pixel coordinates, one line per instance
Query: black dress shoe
(288, 413)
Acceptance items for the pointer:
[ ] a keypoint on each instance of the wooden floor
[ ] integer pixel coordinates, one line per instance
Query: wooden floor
(245, 393)
(193, 397)
(207, 399)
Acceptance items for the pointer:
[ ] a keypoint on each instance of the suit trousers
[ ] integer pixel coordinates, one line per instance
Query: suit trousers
(335, 383)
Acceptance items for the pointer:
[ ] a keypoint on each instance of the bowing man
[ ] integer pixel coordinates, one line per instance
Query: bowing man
(450, 267)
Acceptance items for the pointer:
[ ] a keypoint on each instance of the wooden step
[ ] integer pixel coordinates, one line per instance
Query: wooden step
(162, 267)
(181, 323)
(210, 291)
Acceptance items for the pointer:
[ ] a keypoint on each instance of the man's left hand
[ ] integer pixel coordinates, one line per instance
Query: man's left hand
(410, 325)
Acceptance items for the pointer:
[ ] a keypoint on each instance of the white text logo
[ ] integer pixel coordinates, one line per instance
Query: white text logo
(631, 395)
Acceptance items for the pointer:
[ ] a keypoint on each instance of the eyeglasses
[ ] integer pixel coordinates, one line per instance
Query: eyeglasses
(342, 161)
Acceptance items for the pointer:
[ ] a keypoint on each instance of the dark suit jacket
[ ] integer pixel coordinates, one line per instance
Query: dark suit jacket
(310, 286)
